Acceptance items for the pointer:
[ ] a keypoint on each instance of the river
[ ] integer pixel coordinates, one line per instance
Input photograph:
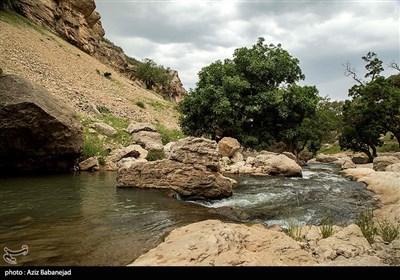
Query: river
(84, 219)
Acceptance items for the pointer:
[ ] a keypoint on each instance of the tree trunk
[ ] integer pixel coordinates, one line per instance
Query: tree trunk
(374, 154)
(370, 157)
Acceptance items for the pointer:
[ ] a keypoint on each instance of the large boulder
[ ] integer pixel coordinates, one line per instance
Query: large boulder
(215, 243)
(228, 146)
(196, 151)
(273, 164)
(137, 126)
(325, 158)
(37, 131)
(190, 170)
(395, 167)
(381, 162)
(187, 181)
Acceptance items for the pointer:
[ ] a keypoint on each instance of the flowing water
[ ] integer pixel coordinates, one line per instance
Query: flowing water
(85, 220)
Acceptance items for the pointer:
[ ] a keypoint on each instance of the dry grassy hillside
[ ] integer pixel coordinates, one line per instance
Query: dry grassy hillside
(75, 77)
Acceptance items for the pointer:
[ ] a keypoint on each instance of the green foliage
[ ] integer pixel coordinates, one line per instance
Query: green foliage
(252, 97)
(388, 230)
(16, 19)
(373, 111)
(333, 150)
(366, 223)
(169, 135)
(103, 109)
(151, 74)
(140, 104)
(294, 231)
(154, 155)
(107, 74)
(159, 105)
(326, 227)
(98, 71)
(92, 147)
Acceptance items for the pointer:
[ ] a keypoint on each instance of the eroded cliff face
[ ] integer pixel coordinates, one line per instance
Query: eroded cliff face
(76, 21)
(79, 23)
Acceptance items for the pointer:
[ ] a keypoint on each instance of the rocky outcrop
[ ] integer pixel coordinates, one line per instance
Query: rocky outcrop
(135, 127)
(385, 185)
(395, 167)
(381, 162)
(264, 164)
(325, 158)
(228, 146)
(197, 152)
(214, 243)
(133, 152)
(75, 20)
(37, 131)
(190, 170)
(175, 90)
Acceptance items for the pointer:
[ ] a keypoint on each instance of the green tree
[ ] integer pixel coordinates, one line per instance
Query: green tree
(250, 98)
(151, 74)
(374, 109)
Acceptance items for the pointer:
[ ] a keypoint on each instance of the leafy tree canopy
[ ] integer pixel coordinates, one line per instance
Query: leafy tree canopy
(374, 109)
(252, 97)
(151, 74)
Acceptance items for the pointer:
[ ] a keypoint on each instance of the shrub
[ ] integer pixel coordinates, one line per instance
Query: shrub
(140, 104)
(107, 74)
(326, 227)
(294, 231)
(169, 135)
(366, 223)
(92, 147)
(103, 109)
(388, 231)
(155, 155)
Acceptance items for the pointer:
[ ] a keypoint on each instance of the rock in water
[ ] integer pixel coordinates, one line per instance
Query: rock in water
(191, 171)
(185, 179)
(37, 131)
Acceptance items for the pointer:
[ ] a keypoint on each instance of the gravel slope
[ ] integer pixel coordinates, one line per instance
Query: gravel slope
(74, 76)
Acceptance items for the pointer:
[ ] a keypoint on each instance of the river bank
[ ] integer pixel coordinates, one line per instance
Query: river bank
(214, 242)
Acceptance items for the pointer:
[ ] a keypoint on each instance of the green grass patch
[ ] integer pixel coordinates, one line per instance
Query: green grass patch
(92, 146)
(332, 150)
(169, 135)
(389, 146)
(366, 223)
(326, 227)
(159, 105)
(16, 19)
(140, 104)
(122, 137)
(155, 155)
(388, 230)
(294, 231)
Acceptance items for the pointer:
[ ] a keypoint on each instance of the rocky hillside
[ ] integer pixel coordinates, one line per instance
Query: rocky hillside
(72, 75)
(79, 23)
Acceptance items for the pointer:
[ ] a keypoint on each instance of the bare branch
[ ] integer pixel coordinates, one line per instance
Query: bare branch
(351, 72)
(394, 65)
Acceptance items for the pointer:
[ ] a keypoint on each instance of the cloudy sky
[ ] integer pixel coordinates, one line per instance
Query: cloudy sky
(187, 35)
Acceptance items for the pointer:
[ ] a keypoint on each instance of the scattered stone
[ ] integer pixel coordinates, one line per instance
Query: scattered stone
(360, 159)
(89, 164)
(381, 162)
(104, 128)
(395, 167)
(237, 157)
(135, 127)
(149, 140)
(325, 158)
(347, 163)
(228, 146)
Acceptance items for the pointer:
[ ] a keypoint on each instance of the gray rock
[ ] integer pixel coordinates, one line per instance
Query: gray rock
(149, 140)
(88, 164)
(104, 128)
(136, 127)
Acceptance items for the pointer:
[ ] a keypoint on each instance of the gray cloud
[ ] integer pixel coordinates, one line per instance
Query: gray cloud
(188, 35)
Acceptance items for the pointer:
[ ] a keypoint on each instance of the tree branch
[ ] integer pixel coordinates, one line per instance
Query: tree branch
(351, 72)
(394, 65)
